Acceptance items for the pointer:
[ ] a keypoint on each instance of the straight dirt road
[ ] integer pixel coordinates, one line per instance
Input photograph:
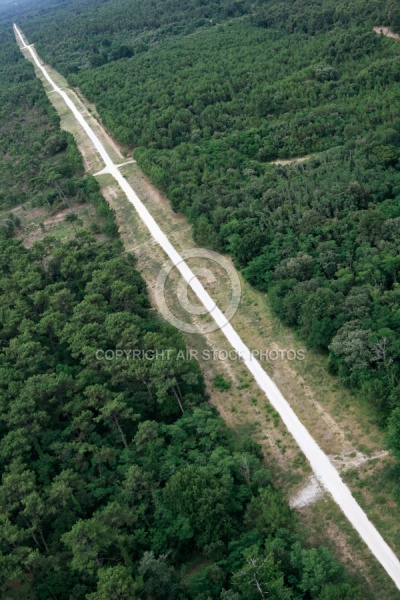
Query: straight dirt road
(324, 470)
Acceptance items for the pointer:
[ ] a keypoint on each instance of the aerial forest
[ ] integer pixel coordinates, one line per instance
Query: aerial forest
(118, 478)
(208, 103)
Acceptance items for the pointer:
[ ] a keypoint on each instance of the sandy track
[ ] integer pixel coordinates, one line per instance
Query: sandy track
(387, 32)
(324, 470)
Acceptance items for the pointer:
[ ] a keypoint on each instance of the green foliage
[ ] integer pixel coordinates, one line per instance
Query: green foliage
(116, 582)
(115, 472)
(221, 383)
(39, 161)
(117, 477)
(206, 113)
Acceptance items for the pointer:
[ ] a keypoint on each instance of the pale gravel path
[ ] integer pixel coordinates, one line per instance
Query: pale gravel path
(325, 472)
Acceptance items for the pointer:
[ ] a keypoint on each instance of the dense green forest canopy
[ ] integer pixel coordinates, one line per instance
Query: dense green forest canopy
(109, 490)
(36, 156)
(118, 480)
(40, 163)
(108, 30)
(208, 97)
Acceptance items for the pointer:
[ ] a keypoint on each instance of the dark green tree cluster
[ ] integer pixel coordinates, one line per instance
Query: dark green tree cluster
(262, 94)
(106, 31)
(116, 29)
(40, 165)
(322, 15)
(38, 161)
(116, 476)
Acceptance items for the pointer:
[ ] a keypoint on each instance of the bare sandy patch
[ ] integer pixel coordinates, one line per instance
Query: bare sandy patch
(288, 161)
(307, 494)
(387, 32)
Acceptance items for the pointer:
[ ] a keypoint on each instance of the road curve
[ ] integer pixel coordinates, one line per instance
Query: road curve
(325, 472)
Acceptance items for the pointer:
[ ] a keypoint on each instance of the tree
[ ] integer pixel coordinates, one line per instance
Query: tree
(117, 583)
(352, 344)
(90, 541)
(342, 591)
(204, 508)
(315, 569)
(260, 577)
(111, 407)
(158, 576)
(268, 512)
(393, 433)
